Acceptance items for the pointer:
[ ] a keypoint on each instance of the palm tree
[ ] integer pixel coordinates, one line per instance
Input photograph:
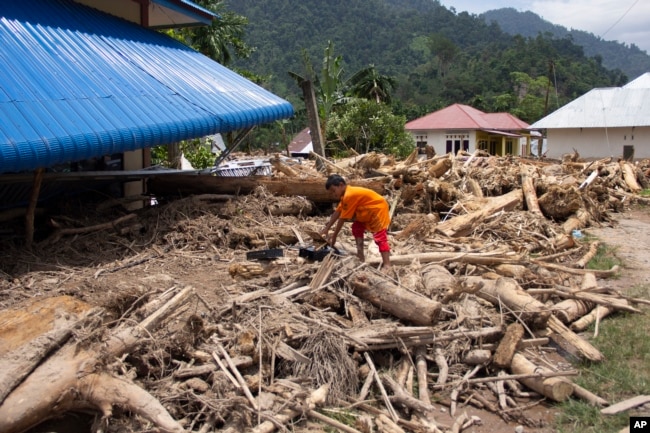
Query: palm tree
(218, 40)
(368, 83)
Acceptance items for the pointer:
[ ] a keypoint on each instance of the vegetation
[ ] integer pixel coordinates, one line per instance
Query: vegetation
(436, 56)
(613, 55)
(623, 341)
(415, 56)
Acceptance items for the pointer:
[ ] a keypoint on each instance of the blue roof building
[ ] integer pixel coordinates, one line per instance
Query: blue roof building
(77, 82)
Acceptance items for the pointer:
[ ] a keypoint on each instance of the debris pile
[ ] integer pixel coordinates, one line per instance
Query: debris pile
(165, 319)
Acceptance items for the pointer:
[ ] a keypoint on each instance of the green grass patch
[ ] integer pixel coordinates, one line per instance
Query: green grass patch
(604, 259)
(623, 340)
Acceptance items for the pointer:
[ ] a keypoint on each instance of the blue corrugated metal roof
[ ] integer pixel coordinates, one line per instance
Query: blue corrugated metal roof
(77, 83)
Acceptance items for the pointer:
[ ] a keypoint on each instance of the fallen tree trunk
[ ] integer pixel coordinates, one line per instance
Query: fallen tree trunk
(312, 188)
(506, 291)
(403, 304)
(492, 258)
(556, 388)
(462, 225)
(73, 379)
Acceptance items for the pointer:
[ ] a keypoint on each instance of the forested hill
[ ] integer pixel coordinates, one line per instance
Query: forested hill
(437, 56)
(630, 59)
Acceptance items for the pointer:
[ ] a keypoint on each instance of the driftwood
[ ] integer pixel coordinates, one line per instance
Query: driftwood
(508, 345)
(571, 342)
(384, 294)
(555, 388)
(569, 310)
(72, 379)
(528, 188)
(505, 291)
(463, 224)
(629, 176)
(491, 258)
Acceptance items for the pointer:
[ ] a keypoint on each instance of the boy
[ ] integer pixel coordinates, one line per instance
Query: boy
(368, 211)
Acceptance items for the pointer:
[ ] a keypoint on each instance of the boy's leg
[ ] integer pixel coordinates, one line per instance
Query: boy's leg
(381, 239)
(358, 231)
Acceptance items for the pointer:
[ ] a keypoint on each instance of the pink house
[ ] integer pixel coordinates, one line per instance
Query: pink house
(463, 127)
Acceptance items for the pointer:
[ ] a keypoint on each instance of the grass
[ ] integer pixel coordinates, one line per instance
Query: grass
(604, 259)
(625, 373)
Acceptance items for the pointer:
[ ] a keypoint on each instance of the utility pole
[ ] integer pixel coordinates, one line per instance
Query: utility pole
(314, 120)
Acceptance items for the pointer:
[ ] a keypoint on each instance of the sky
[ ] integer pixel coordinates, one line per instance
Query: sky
(625, 21)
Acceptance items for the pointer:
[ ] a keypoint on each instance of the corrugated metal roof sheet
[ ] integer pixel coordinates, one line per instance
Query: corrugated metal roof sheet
(77, 83)
(459, 116)
(604, 107)
(599, 108)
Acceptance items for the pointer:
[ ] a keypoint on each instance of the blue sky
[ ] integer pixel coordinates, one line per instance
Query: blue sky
(626, 21)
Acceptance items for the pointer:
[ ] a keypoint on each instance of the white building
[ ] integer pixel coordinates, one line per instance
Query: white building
(603, 122)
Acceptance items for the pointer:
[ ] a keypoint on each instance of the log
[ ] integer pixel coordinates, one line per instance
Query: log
(491, 258)
(591, 253)
(279, 166)
(528, 189)
(629, 176)
(439, 168)
(312, 189)
(506, 291)
(402, 397)
(383, 293)
(72, 379)
(577, 221)
(437, 280)
(421, 365)
(316, 398)
(508, 345)
(556, 388)
(598, 313)
(569, 310)
(571, 342)
(560, 202)
(25, 342)
(462, 225)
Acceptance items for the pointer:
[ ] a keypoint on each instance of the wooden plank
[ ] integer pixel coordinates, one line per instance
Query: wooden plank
(624, 405)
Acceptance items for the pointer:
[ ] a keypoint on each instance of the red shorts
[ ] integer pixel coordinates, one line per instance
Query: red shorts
(380, 237)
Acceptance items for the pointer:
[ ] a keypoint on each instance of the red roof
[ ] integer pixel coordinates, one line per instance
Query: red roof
(458, 116)
(301, 143)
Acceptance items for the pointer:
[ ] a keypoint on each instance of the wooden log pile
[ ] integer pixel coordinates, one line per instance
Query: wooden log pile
(487, 295)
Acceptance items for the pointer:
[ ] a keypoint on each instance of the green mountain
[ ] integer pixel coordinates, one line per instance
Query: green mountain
(615, 55)
(437, 56)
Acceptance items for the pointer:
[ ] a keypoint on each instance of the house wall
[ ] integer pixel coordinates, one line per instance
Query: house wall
(495, 144)
(438, 139)
(598, 142)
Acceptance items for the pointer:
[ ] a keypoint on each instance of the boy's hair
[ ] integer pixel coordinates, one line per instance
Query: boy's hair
(334, 180)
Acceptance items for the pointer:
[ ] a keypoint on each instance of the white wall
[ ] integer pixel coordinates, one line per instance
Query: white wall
(598, 142)
(438, 139)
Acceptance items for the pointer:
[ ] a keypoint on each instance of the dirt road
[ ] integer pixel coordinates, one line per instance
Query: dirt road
(629, 235)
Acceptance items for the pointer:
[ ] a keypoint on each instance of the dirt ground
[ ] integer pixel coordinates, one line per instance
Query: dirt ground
(109, 270)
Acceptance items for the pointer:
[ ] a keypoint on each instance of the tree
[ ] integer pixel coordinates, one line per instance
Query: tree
(368, 126)
(221, 38)
(368, 83)
(444, 49)
(333, 91)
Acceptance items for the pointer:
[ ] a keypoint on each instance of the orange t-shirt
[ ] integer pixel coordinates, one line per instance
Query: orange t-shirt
(365, 206)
